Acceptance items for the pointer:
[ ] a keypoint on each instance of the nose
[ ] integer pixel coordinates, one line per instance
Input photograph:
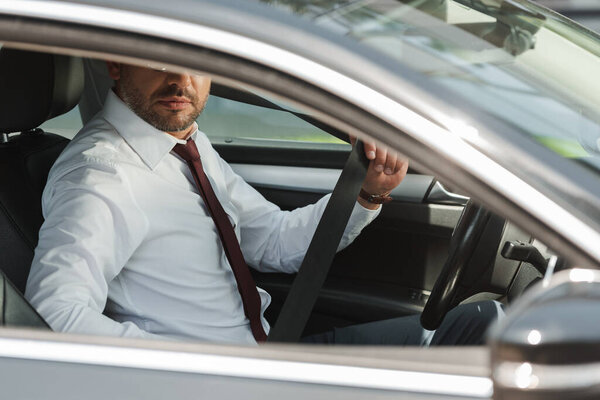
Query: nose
(181, 80)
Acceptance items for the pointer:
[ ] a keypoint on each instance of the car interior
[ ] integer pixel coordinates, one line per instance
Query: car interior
(390, 270)
(26, 160)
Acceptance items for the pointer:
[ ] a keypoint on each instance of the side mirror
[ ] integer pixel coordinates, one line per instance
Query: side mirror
(548, 346)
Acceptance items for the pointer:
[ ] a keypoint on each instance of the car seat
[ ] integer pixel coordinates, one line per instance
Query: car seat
(34, 88)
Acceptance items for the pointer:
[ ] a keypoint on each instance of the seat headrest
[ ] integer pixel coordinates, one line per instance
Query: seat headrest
(36, 87)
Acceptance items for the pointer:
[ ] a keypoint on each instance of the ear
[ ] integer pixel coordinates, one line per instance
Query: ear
(114, 70)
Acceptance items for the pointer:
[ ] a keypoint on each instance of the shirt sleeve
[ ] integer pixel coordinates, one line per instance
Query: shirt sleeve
(92, 226)
(273, 240)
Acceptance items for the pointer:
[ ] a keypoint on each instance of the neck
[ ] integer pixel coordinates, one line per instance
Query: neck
(183, 135)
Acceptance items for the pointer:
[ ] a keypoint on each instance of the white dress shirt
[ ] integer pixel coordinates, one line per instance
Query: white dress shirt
(128, 248)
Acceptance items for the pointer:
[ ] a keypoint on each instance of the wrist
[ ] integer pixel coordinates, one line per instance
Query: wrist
(367, 205)
(375, 198)
(373, 201)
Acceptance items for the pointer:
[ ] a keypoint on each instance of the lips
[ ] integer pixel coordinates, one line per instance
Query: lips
(174, 103)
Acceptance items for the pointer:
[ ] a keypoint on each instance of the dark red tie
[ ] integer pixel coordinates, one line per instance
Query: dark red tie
(245, 283)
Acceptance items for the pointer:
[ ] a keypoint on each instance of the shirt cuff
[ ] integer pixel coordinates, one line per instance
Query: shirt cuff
(360, 218)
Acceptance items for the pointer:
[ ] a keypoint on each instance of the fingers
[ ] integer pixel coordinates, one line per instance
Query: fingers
(380, 159)
(387, 162)
(370, 150)
(384, 161)
(402, 166)
(391, 164)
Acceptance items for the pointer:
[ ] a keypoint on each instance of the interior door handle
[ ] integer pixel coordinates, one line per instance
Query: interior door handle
(438, 194)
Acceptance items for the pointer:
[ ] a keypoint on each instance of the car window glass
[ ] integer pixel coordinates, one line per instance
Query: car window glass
(505, 58)
(228, 121)
(66, 125)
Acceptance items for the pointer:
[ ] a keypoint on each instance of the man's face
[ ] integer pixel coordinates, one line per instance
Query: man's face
(170, 102)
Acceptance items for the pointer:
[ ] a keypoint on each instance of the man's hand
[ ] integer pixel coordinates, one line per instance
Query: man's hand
(386, 171)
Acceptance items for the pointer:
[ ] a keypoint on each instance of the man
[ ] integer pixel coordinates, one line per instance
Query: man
(130, 245)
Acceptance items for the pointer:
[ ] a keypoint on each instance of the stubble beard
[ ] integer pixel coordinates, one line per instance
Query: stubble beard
(143, 107)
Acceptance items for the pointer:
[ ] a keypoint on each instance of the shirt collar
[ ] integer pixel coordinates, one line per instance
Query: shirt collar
(150, 144)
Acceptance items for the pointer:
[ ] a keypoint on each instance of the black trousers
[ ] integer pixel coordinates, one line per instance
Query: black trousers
(464, 325)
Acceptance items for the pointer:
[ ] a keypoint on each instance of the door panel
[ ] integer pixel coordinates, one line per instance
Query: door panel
(321, 180)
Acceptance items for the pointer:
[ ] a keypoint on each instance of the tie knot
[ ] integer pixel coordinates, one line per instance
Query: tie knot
(187, 151)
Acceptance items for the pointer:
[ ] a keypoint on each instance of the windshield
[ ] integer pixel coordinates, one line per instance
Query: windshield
(516, 60)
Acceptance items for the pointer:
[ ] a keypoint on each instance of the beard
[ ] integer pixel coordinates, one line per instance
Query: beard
(175, 120)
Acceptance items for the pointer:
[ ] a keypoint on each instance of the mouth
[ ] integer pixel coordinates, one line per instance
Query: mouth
(174, 103)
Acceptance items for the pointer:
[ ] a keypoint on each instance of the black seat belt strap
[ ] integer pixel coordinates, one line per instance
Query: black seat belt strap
(321, 251)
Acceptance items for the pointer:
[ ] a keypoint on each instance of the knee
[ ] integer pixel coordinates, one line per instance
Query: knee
(467, 324)
(483, 313)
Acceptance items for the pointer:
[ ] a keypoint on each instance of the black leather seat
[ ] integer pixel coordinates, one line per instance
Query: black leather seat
(34, 88)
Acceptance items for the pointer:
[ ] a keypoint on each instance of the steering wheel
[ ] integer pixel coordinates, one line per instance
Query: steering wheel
(463, 243)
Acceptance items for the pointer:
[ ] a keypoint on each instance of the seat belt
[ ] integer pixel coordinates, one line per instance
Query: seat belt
(15, 310)
(314, 269)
